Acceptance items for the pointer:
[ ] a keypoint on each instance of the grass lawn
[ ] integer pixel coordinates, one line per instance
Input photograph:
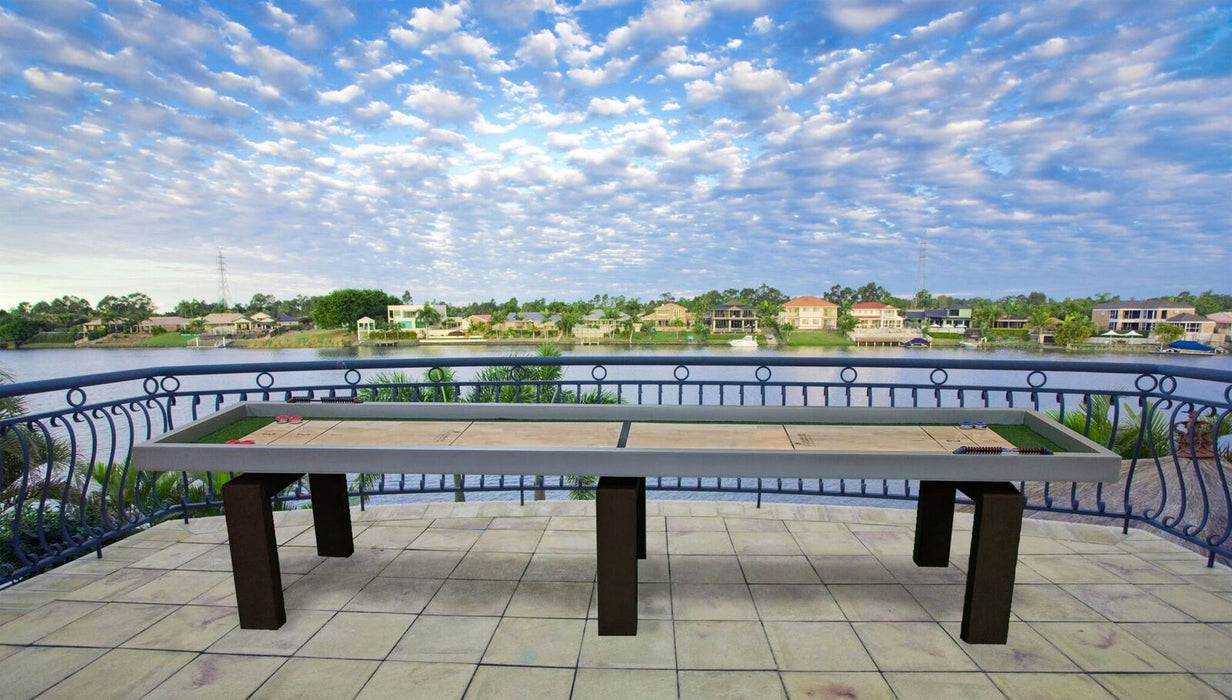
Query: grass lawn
(816, 339)
(167, 340)
(329, 338)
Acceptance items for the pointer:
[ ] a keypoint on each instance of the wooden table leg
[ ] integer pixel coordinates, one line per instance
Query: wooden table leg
(641, 517)
(616, 514)
(994, 558)
(934, 523)
(331, 514)
(254, 550)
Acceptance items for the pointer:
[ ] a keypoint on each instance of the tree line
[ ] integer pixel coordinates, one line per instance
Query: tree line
(341, 308)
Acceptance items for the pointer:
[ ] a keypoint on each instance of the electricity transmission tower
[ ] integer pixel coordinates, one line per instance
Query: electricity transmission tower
(224, 294)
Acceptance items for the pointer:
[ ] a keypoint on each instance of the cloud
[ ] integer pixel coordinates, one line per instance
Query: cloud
(664, 19)
(51, 81)
(425, 22)
(609, 107)
(341, 97)
(440, 106)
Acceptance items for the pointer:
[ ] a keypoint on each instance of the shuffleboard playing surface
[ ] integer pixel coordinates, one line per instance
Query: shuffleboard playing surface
(642, 435)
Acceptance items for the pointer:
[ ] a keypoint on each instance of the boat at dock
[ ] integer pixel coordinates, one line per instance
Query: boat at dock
(747, 341)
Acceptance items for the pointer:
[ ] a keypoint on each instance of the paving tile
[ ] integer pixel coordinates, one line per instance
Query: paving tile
(836, 686)
(730, 685)
(854, 568)
(536, 642)
(928, 686)
(298, 560)
(878, 602)
(175, 587)
(885, 541)
(654, 602)
(905, 571)
(1049, 603)
(394, 595)
(317, 678)
(1150, 686)
(716, 645)
(653, 647)
(754, 525)
(624, 684)
(31, 670)
(460, 523)
(1133, 569)
(357, 635)
(224, 592)
(817, 646)
(506, 566)
(795, 602)
(520, 683)
(507, 541)
(1216, 582)
(567, 542)
(446, 539)
(1103, 647)
(571, 522)
(778, 569)
(550, 599)
(1196, 647)
(1028, 544)
(724, 601)
(324, 591)
(173, 556)
(1047, 686)
(1024, 651)
(423, 564)
(388, 537)
(653, 569)
(445, 639)
(825, 539)
(699, 542)
(1219, 681)
(116, 583)
(912, 646)
(1073, 568)
(120, 673)
(781, 543)
(44, 620)
(678, 523)
(189, 628)
(368, 561)
(704, 568)
(217, 676)
(408, 680)
(62, 582)
(284, 641)
(465, 597)
(521, 522)
(942, 602)
(546, 566)
(108, 626)
(1126, 603)
(1193, 601)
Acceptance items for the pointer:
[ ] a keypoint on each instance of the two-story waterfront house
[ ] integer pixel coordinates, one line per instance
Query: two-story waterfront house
(1137, 315)
(809, 313)
(732, 318)
(667, 315)
(874, 314)
(405, 316)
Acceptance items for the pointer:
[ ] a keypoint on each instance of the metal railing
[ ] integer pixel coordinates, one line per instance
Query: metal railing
(68, 486)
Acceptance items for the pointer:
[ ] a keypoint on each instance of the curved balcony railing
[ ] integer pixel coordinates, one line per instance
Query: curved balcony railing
(68, 486)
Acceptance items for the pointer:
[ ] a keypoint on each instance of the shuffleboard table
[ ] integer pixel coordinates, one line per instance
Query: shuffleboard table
(980, 452)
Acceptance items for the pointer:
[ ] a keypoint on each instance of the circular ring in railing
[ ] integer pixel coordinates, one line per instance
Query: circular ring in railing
(1036, 379)
(681, 377)
(1227, 394)
(75, 397)
(150, 385)
(760, 378)
(436, 374)
(945, 376)
(351, 377)
(1151, 387)
(265, 380)
(170, 384)
(598, 373)
(1167, 383)
(848, 379)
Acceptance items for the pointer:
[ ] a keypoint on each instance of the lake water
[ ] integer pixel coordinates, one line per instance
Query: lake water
(31, 365)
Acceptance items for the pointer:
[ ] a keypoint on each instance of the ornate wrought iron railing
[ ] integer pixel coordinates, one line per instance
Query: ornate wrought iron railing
(68, 486)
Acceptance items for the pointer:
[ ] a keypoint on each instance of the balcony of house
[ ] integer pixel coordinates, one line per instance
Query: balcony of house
(486, 584)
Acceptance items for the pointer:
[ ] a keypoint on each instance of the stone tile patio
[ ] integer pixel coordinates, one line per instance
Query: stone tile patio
(497, 600)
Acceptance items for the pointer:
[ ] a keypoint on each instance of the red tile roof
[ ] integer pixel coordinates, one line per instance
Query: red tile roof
(808, 301)
(871, 305)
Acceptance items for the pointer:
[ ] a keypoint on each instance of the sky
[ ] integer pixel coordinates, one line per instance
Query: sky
(547, 148)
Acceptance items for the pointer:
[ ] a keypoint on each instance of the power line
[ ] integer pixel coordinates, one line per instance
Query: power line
(923, 262)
